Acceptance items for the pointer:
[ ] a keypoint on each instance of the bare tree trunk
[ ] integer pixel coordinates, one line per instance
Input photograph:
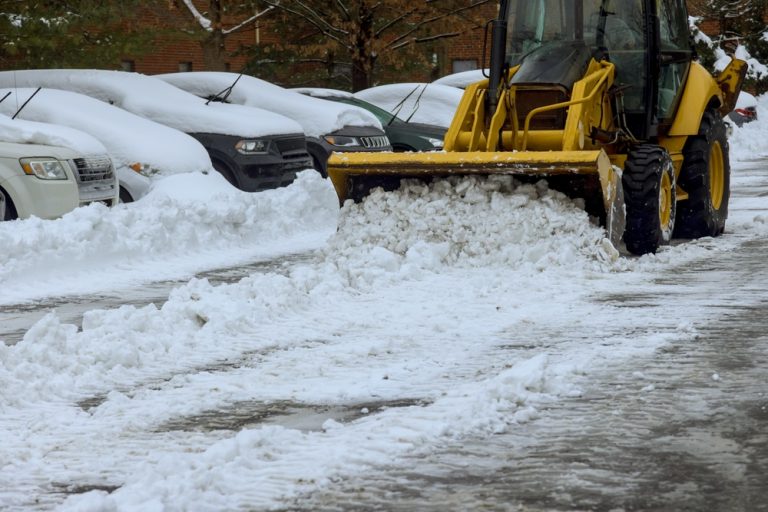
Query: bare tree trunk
(363, 58)
(214, 52)
(214, 48)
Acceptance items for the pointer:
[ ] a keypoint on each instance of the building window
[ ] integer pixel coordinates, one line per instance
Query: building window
(464, 65)
(185, 66)
(127, 65)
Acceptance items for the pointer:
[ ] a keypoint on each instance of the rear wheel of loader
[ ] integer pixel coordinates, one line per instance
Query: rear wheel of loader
(706, 176)
(649, 195)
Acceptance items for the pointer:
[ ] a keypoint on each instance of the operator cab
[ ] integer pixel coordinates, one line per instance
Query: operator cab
(648, 42)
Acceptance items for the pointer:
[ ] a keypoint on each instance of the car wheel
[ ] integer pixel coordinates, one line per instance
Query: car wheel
(7, 211)
(319, 167)
(125, 196)
(224, 171)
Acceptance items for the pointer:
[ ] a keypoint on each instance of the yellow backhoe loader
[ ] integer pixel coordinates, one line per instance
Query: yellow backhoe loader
(604, 100)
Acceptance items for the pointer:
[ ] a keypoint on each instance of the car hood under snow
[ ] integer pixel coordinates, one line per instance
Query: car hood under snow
(127, 137)
(19, 131)
(416, 102)
(317, 117)
(154, 99)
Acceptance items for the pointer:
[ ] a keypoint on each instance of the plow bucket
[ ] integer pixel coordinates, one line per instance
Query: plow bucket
(586, 174)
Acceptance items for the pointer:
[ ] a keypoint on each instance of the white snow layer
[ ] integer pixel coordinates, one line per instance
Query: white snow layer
(417, 102)
(29, 132)
(317, 117)
(409, 289)
(129, 139)
(154, 99)
(462, 79)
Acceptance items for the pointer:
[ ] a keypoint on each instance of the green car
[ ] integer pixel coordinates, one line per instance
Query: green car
(402, 135)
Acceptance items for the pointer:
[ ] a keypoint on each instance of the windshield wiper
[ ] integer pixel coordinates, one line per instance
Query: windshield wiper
(224, 94)
(6, 95)
(416, 103)
(397, 108)
(25, 103)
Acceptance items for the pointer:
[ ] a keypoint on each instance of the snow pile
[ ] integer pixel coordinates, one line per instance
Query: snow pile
(185, 215)
(129, 138)
(416, 102)
(29, 132)
(467, 222)
(317, 117)
(154, 99)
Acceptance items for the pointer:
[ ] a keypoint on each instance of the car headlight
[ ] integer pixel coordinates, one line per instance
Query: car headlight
(251, 147)
(44, 168)
(342, 141)
(438, 143)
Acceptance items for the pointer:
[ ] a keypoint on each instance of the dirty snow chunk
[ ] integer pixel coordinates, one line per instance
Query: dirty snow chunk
(466, 222)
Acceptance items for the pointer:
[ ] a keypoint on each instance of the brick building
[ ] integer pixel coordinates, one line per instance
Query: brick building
(178, 52)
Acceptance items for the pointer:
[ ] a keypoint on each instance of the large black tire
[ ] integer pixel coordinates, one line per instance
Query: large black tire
(706, 177)
(649, 195)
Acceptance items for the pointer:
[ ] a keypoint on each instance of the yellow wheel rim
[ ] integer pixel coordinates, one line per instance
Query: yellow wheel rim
(716, 175)
(665, 200)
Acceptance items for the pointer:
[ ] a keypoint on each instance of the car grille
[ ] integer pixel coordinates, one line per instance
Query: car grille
(91, 170)
(377, 142)
(294, 153)
(96, 180)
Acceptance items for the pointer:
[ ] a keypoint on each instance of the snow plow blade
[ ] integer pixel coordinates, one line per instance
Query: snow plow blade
(586, 174)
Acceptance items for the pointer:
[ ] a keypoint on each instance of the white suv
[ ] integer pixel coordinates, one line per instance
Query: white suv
(47, 171)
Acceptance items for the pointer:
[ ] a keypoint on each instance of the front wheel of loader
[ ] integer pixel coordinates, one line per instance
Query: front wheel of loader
(706, 176)
(649, 195)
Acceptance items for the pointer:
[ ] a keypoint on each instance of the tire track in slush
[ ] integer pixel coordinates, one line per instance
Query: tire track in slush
(683, 429)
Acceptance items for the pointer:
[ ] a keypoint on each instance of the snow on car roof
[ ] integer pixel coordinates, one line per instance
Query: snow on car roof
(746, 100)
(154, 99)
(421, 103)
(317, 117)
(127, 137)
(461, 79)
(20, 131)
(321, 92)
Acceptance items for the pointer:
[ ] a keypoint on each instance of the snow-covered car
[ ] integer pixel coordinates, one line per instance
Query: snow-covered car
(253, 148)
(433, 104)
(47, 171)
(329, 126)
(403, 135)
(462, 79)
(139, 147)
(745, 110)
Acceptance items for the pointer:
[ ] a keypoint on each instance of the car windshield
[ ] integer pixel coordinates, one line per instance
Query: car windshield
(386, 118)
(539, 24)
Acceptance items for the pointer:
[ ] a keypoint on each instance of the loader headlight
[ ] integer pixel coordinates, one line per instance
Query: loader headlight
(44, 168)
(342, 141)
(252, 147)
(436, 143)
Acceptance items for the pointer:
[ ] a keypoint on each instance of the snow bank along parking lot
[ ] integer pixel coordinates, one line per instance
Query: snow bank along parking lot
(396, 322)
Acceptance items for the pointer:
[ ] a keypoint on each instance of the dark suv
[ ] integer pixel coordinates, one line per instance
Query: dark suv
(328, 126)
(403, 136)
(253, 148)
